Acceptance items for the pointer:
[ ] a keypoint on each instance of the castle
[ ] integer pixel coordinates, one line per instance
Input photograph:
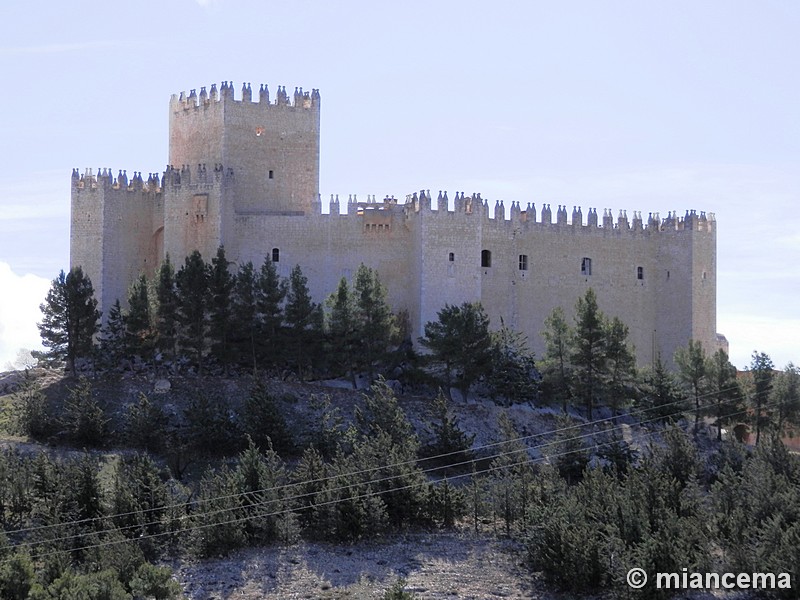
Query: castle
(245, 174)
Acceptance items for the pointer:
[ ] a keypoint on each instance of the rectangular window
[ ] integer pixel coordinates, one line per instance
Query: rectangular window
(639, 273)
(486, 258)
(276, 255)
(523, 262)
(586, 266)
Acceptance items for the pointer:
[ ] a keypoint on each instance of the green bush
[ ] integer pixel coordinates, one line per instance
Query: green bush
(154, 582)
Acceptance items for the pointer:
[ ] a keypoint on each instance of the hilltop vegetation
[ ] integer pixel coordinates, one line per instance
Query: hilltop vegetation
(188, 431)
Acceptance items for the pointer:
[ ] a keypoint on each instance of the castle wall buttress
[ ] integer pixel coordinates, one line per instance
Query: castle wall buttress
(197, 212)
(444, 256)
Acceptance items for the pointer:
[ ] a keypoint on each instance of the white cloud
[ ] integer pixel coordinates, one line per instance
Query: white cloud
(19, 312)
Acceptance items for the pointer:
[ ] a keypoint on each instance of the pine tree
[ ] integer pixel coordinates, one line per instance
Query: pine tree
(138, 322)
(244, 320)
(192, 307)
(511, 473)
(342, 329)
(263, 421)
(569, 453)
(145, 424)
(308, 477)
(166, 313)
(84, 417)
(304, 322)
(31, 415)
(785, 397)
(725, 394)
(512, 375)
(556, 367)
(375, 321)
(139, 497)
(621, 365)
(449, 438)
(260, 479)
(70, 319)
(272, 291)
(221, 284)
(218, 513)
(113, 342)
(589, 348)
(661, 399)
(692, 366)
(460, 341)
(761, 368)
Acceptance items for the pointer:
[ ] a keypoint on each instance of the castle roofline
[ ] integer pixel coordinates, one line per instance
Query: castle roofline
(299, 99)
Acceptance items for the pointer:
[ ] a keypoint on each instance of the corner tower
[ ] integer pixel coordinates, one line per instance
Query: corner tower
(272, 147)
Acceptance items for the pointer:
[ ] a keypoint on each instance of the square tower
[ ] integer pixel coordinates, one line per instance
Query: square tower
(272, 148)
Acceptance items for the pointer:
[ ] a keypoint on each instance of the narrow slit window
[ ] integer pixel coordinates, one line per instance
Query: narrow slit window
(486, 258)
(586, 266)
(639, 273)
(271, 174)
(276, 255)
(523, 262)
(451, 257)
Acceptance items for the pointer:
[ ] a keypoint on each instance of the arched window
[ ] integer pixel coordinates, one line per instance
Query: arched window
(276, 255)
(486, 258)
(451, 257)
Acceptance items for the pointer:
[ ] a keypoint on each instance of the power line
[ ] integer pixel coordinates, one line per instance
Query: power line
(254, 493)
(326, 503)
(592, 423)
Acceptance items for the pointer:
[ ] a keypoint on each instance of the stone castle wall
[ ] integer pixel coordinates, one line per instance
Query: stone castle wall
(245, 174)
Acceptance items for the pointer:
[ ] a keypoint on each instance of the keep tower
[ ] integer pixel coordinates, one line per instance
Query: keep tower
(272, 147)
(236, 158)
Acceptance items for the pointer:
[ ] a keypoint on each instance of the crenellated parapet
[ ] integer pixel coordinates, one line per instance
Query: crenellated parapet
(105, 180)
(193, 101)
(172, 177)
(422, 202)
(199, 174)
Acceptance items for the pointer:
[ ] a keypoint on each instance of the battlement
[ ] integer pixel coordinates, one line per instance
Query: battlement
(105, 179)
(299, 100)
(172, 177)
(200, 174)
(474, 204)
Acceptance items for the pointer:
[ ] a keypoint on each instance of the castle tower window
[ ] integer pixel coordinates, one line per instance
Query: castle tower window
(523, 262)
(271, 174)
(586, 266)
(451, 257)
(639, 273)
(486, 258)
(276, 255)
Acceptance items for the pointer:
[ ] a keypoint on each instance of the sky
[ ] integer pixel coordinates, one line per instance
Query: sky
(649, 106)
